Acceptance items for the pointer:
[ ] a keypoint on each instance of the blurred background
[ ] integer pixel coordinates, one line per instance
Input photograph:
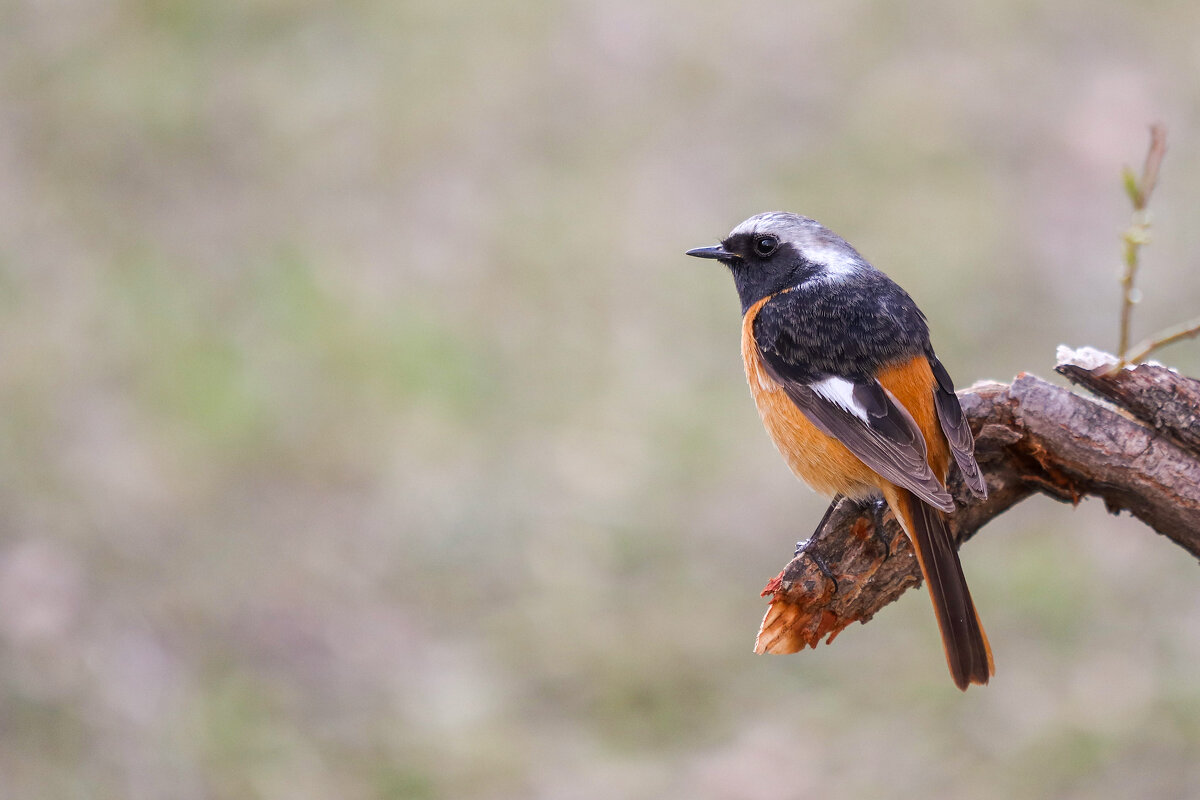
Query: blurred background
(367, 434)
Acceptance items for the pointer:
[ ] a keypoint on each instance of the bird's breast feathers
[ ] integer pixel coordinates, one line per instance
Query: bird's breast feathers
(819, 460)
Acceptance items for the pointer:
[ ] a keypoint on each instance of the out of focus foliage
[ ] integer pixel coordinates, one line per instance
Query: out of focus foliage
(366, 434)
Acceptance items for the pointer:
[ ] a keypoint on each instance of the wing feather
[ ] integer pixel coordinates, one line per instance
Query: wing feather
(884, 437)
(958, 432)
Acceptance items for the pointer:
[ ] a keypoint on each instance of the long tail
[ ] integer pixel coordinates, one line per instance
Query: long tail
(967, 651)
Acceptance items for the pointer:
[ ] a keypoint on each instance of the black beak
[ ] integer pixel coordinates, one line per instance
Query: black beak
(716, 251)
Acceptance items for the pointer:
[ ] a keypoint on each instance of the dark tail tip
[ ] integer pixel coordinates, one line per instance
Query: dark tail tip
(971, 664)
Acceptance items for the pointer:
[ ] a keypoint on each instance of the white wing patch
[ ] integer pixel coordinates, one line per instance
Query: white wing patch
(840, 392)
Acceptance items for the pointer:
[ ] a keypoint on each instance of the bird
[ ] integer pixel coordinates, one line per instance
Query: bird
(841, 368)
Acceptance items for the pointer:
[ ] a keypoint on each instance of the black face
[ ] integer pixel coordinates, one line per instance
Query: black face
(762, 265)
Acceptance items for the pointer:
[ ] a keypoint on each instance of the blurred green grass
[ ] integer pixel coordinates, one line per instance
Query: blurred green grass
(366, 433)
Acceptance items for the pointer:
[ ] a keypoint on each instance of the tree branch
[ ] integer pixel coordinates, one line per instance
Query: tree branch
(1031, 438)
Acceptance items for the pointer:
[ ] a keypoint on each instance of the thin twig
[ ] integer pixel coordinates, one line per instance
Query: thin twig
(1138, 233)
(1184, 330)
(1154, 157)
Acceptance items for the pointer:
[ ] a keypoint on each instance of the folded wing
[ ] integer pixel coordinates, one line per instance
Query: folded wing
(867, 419)
(958, 433)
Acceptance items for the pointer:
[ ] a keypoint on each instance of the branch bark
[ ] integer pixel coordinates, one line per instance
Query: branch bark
(1032, 437)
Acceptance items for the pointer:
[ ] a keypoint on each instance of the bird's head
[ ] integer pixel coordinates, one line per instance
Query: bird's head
(774, 251)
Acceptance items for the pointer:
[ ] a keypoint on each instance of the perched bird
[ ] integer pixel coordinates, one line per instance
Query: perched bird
(840, 365)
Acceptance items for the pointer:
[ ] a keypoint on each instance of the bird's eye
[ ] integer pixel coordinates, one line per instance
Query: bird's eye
(765, 245)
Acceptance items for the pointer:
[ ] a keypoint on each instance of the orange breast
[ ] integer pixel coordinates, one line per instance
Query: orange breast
(821, 461)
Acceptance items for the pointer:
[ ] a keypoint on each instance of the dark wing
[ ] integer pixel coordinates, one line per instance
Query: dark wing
(958, 433)
(875, 428)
